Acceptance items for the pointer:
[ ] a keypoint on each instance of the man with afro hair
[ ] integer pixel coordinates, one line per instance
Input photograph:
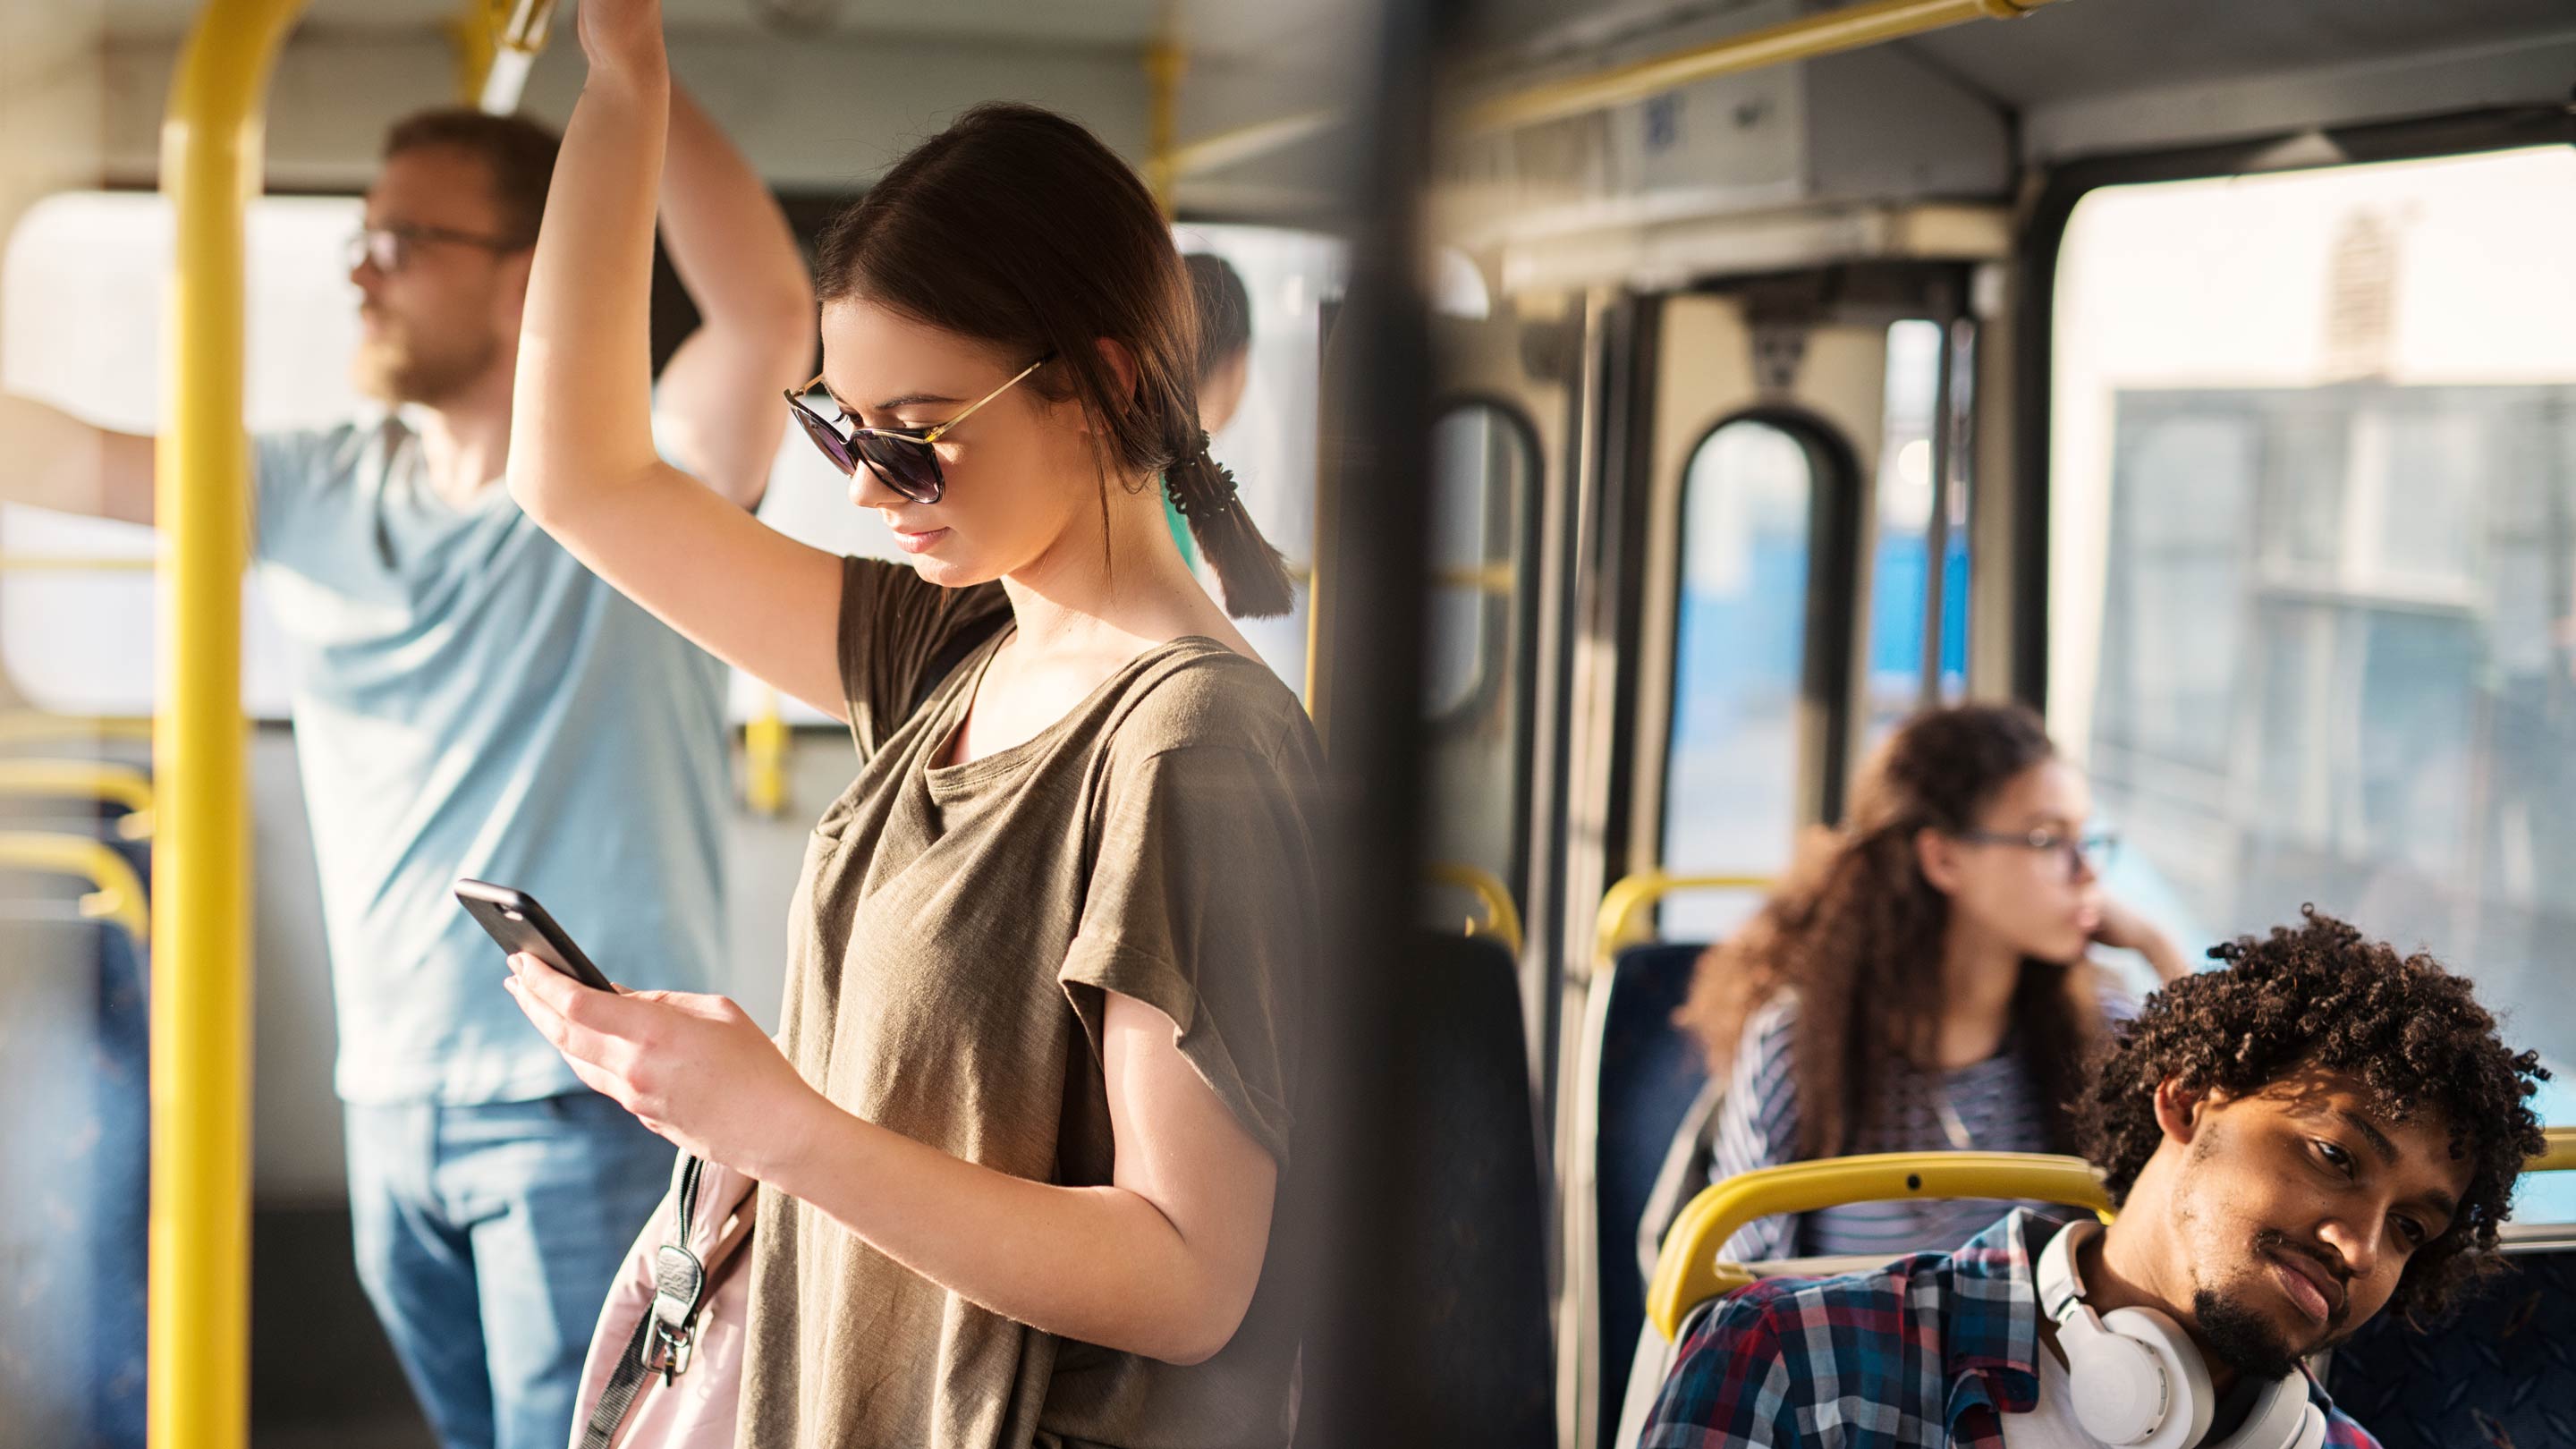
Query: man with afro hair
(2322, 1130)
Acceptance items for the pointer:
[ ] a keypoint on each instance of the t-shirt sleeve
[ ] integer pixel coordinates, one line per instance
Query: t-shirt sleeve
(1201, 904)
(893, 625)
(1757, 1126)
(285, 467)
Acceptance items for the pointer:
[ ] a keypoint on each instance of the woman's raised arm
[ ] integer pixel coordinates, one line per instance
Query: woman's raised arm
(582, 458)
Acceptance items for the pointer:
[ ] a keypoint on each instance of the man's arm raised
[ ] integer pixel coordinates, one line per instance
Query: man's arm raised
(57, 461)
(733, 249)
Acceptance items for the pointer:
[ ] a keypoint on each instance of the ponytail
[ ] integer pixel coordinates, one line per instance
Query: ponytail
(1254, 575)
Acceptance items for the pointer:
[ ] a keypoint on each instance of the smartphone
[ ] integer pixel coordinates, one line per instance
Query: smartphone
(513, 918)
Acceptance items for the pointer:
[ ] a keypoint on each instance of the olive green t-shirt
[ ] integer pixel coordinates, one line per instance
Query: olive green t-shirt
(952, 943)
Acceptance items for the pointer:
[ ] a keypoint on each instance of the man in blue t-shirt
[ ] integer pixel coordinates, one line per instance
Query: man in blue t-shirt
(472, 702)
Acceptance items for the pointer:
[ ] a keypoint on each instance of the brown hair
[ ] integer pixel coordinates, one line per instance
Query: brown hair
(518, 154)
(1224, 309)
(1856, 930)
(1018, 228)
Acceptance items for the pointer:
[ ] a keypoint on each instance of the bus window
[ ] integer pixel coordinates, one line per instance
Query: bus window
(2312, 581)
(1485, 466)
(1901, 607)
(1731, 792)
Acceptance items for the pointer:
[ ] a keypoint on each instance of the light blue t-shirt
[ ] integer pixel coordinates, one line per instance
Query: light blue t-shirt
(471, 701)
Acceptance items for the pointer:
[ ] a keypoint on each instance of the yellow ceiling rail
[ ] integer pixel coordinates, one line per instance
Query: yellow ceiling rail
(1850, 28)
(85, 780)
(1502, 921)
(1826, 33)
(118, 894)
(198, 1386)
(1622, 921)
(1689, 1273)
(29, 728)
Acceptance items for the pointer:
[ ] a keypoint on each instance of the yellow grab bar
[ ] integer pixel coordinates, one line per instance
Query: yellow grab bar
(1621, 923)
(1502, 918)
(198, 1382)
(1688, 1272)
(16, 729)
(85, 780)
(764, 757)
(119, 894)
(2559, 1155)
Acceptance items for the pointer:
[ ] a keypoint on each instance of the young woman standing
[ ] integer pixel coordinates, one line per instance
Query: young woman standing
(1020, 1137)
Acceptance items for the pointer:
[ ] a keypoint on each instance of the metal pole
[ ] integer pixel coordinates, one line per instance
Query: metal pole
(199, 1380)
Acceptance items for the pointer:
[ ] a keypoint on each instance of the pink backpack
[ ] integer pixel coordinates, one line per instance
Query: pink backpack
(665, 1364)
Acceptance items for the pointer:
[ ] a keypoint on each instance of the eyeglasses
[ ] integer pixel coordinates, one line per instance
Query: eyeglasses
(390, 248)
(902, 457)
(2080, 850)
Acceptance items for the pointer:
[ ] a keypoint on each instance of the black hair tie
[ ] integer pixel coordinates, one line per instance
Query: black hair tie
(1214, 493)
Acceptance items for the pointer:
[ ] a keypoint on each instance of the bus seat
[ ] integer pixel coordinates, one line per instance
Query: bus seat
(1648, 1075)
(1478, 1315)
(74, 1064)
(1689, 1276)
(2501, 1370)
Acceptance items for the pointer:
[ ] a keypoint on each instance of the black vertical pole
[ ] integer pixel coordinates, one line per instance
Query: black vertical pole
(1376, 467)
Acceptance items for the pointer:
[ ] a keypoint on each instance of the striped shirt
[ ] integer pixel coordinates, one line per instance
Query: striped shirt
(1933, 1351)
(1991, 1106)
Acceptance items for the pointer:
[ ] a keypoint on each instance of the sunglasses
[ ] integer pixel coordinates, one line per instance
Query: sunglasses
(902, 458)
(390, 248)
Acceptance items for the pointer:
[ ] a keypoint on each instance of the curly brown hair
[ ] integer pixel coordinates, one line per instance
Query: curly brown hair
(2323, 996)
(1856, 930)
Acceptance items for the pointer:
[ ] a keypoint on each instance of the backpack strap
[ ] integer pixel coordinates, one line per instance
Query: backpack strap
(662, 1340)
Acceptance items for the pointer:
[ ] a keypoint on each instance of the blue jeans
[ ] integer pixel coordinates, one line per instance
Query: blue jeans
(487, 1237)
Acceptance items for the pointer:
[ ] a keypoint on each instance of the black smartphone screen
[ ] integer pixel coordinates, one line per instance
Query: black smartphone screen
(514, 919)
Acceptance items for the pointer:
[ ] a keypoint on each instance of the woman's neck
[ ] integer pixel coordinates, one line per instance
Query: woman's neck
(1112, 585)
(1979, 975)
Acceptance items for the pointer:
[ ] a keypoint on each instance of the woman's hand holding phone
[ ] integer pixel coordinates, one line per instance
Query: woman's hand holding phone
(694, 1068)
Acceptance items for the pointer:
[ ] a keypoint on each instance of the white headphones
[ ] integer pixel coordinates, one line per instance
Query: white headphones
(2138, 1381)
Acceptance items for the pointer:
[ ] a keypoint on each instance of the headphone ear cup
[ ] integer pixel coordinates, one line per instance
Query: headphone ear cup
(2188, 1399)
(2282, 1419)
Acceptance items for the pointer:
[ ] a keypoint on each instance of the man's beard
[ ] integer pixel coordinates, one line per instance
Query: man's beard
(2241, 1338)
(391, 368)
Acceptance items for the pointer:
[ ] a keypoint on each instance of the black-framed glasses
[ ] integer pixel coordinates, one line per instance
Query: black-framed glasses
(902, 457)
(2094, 848)
(389, 248)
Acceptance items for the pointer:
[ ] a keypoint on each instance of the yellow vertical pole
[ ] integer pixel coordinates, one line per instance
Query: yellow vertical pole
(200, 1309)
(1165, 59)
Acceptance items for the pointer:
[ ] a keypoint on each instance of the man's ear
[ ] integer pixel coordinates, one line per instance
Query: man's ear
(2182, 1110)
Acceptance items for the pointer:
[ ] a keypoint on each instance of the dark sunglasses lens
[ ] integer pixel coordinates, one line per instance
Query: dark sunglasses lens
(826, 437)
(910, 469)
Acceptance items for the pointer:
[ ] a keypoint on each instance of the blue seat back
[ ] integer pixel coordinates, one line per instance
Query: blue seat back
(1477, 1315)
(1649, 1073)
(2501, 1371)
(74, 1065)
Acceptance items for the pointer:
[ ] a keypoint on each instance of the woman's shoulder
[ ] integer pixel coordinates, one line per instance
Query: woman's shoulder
(1195, 693)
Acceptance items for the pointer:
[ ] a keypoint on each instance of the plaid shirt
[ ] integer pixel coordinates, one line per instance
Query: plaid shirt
(1929, 1351)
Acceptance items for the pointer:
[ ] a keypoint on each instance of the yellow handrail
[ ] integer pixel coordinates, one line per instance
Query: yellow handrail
(85, 780)
(764, 757)
(1502, 917)
(1621, 923)
(64, 563)
(17, 729)
(198, 1388)
(1689, 1273)
(2559, 1155)
(119, 895)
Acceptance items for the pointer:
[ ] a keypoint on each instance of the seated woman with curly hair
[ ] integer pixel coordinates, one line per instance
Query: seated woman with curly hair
(1920, 982)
